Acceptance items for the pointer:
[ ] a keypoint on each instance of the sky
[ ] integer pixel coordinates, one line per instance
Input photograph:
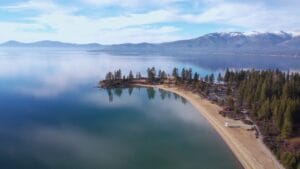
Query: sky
(135, 21)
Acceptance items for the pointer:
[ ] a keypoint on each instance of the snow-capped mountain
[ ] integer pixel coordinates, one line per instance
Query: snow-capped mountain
(235, 40)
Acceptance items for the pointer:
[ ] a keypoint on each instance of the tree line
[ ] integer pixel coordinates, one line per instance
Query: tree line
(272, 98)
(184, 75)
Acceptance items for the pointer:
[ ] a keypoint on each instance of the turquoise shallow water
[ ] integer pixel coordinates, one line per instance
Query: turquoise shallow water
(52, 116)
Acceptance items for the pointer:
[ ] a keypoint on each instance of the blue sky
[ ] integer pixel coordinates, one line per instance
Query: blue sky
(121, 21)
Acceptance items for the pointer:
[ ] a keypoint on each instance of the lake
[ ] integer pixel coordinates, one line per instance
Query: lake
(53, 116)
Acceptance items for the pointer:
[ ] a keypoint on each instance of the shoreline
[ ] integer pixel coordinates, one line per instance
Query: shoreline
(251, 152)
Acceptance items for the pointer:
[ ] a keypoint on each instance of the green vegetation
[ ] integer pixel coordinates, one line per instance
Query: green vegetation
(273, 99)
(270, 98)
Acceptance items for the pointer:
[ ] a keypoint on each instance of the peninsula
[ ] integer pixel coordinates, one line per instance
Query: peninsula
(247, 126)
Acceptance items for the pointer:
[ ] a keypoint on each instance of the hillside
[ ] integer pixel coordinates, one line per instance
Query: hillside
(279, 44)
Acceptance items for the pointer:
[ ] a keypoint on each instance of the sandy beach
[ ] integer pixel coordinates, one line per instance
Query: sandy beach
(251, 152)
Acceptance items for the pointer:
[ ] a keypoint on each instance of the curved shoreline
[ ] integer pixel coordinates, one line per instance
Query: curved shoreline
(251, 152)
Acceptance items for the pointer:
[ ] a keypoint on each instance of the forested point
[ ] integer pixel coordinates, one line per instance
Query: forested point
(268, 98)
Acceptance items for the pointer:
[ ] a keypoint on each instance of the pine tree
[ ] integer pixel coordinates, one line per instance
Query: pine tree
(263, 92)
(287, 127)
(227, 75)
(206, 78)
(175, 73)
(264, 111)
(130, 76)
(138, 75)
(211, 78)
(151, 74)
(183, 74)
(189, 74)
(196, 77)
(230, 102)
(109, 76)
(220, 78)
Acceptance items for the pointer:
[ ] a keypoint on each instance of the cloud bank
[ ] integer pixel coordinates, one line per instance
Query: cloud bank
(116, 21)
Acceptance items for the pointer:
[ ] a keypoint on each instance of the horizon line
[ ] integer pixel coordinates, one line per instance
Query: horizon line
(247, 33)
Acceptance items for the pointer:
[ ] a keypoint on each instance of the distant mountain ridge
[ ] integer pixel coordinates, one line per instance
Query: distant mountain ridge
(47, 43)
(234, 39)
(236, 42)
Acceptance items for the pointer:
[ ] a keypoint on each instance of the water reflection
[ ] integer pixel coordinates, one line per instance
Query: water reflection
(130, 90)
(163, 93)
(151, 93)
(47, 73)
(183, 100)
(118, 92)
(110, 95)
(52, 116)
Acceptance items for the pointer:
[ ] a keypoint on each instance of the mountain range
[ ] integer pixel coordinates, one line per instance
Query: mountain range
(280, 43)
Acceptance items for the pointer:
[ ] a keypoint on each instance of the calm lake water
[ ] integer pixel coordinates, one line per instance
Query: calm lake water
(52, 116)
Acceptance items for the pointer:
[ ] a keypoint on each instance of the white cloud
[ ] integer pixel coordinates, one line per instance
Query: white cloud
(40, 5)
(110, 29)
(64, 25)
(63, 20)
(44, 6)
(82, 29)
(251, 17)
(221, 13)
(137, 34)
(131, 3)
(125, 3)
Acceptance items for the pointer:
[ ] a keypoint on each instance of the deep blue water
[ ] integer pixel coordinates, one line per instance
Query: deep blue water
(52, 116)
